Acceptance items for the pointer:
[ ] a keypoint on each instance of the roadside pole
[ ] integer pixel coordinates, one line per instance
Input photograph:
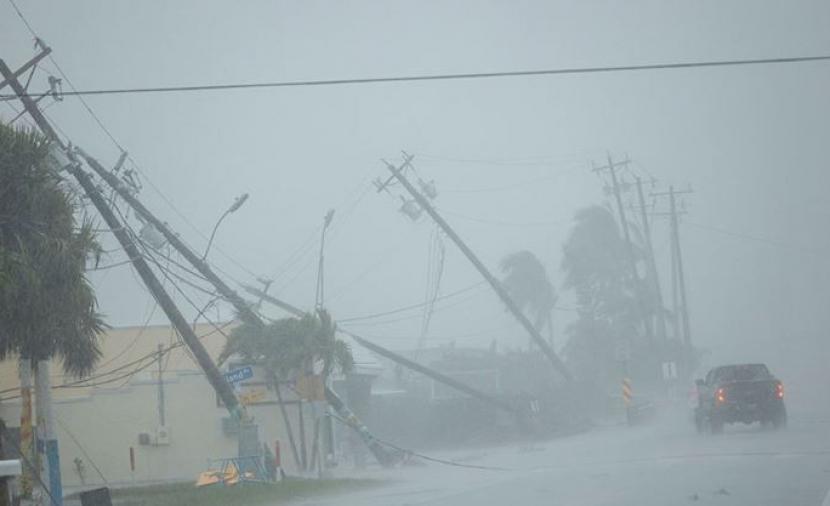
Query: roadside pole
(27, 478)
(47, 440)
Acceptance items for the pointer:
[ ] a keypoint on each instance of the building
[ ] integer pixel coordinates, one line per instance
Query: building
(138, 419)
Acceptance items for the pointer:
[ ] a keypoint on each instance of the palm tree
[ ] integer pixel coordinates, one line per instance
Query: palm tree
(527, 282)
(609, 296)
(47, 306)
(290, 348)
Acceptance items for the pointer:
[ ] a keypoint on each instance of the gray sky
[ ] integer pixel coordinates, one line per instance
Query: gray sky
(511, 157)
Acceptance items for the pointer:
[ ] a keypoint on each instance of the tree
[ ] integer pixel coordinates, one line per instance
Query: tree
(597, 270)
(527, 282)
(288, 348)
(47, 306)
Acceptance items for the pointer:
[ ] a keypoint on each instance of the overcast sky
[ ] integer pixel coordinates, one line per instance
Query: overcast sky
(511, 157)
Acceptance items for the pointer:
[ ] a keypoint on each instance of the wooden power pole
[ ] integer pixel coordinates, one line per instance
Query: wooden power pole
(632, 260)
(214, 376)
(424, 203)
(652, 263)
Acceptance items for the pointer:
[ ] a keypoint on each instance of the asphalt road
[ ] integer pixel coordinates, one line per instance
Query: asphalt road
(662, 463)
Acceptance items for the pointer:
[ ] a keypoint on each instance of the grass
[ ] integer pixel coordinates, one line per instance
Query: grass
(247, 494)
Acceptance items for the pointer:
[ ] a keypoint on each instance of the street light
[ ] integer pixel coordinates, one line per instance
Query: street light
(319, 295)
(234, 207)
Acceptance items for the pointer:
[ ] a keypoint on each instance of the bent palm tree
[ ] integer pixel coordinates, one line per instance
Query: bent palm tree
(530, 288)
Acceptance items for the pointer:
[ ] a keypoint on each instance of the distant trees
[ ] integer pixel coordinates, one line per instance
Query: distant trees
(610, 297)
(47, 306)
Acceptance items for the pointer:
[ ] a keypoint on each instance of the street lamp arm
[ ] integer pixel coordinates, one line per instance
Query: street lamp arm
(213, 234)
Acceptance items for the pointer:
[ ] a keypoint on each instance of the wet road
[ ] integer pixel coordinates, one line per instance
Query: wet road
(664, 463)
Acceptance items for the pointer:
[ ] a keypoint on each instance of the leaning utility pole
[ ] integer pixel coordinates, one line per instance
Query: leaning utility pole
(214, 376)
(612, 170)
(422, 201)
(678, 276)
(242, 307)
(398, 359)
(652, 263)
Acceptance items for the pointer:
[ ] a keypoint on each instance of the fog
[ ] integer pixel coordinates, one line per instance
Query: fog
(511, 157)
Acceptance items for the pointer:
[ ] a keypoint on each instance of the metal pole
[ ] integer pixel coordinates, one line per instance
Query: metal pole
(161, 385)
(46, 428)
(494, 283)
(26, 435)
(213, 234)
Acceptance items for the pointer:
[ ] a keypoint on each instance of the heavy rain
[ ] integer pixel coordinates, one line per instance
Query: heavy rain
(414, 253)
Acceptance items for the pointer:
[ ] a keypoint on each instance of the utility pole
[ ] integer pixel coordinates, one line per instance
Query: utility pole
(422, 201)
(26, 437)
(681, 278)
(681, 309)
(652, 263)
(384, 456)
(612, 170)
(338, 405)
(216, 379)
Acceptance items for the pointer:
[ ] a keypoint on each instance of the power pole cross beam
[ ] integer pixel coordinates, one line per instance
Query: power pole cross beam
(494, 283)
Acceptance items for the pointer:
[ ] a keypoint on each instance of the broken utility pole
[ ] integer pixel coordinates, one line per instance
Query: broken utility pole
(216, 379)
(422, 201)
(414, 366)
(242, 307)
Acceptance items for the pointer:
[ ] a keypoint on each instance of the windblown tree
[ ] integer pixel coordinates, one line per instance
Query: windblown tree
(527, 282)
(289, 348)
(598, 270)
(47, 306)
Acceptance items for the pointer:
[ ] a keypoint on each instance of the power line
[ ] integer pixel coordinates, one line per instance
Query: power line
(85, 382)
(407, 308)
(749, 237)
(118, 145)
(446, 77)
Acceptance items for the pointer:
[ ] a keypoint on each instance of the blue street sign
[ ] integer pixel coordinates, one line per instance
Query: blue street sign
(238, 375)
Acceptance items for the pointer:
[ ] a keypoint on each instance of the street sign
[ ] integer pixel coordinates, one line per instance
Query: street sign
(238, 375)
(252, 397)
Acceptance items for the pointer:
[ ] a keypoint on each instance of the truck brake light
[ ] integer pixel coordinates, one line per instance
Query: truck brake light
(779, 390)
(720, 395)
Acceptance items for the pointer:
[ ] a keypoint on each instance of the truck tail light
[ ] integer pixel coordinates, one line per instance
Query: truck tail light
(720, 395)
(779, 390)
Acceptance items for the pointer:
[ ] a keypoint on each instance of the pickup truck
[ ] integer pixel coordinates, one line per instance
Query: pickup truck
(743, 393)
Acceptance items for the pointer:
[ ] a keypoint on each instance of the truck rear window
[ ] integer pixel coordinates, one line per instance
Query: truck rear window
(746, 372)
